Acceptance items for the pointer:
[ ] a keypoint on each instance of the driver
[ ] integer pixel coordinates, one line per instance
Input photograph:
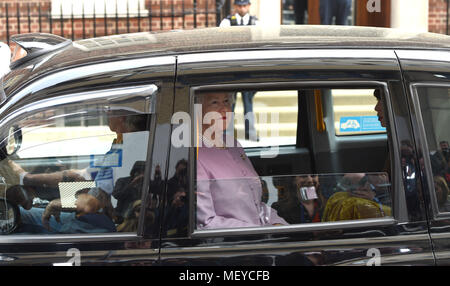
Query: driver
(88, 217)
(22, 193)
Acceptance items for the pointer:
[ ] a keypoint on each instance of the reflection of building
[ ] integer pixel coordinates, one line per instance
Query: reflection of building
(427, 15)
(75, 19)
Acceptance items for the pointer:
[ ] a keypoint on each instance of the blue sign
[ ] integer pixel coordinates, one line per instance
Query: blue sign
(111, 159)
(360, 124)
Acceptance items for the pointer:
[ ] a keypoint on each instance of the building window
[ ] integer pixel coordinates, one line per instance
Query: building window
(99, 8)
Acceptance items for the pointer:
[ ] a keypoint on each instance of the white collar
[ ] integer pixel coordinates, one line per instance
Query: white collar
(246, 18)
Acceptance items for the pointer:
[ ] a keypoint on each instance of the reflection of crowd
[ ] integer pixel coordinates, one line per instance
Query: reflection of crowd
(355, 196)
(299, 199)
(440, 165)
(176, 214)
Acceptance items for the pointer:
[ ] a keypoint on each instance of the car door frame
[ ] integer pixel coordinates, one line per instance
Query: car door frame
(155, 77)
(261, 246)
(434, 71)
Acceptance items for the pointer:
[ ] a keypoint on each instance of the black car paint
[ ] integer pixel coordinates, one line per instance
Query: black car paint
(348, 246)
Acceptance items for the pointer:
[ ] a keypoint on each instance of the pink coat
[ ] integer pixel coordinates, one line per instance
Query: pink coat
(229, 191)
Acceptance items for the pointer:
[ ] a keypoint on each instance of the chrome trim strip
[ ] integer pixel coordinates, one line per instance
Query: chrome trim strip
(87, 71)
(424, 55)
(286, 54)
(423, 144)
(286, 85)
(66, 238)
(295, 228)
(399, 208)
(108, 96)
(276, 246)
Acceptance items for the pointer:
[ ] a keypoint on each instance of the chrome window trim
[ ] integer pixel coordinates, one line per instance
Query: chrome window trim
(399, 210)
(146, 92)
(423, 144)
(89, 70)
(273, 246)
(67, 238)
(424, 55)
(295, 227)
(287, 54)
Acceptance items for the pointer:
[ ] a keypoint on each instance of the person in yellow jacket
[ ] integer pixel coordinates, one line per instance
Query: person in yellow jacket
(357, 200)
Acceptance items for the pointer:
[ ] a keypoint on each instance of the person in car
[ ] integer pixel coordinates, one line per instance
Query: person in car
(302, 202)
(357, 197)
(228, 187)
(89, 216)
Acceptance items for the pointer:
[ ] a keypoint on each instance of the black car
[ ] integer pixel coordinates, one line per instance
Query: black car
(100, 148)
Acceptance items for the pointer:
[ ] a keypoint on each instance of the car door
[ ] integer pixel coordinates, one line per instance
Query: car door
(296, 125)
(429, 91)
(91, 149)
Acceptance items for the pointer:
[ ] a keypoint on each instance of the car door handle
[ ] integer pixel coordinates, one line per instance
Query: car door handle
(6, 258)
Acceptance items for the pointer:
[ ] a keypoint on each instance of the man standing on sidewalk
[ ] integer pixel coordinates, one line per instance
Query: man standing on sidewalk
(243, 18)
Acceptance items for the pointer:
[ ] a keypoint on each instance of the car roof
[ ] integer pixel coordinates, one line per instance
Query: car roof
(248, 37)
(136, 45)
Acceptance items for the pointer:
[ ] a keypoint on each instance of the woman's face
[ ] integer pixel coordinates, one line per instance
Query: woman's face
(307, 181)
(215, 107)
(242, 9)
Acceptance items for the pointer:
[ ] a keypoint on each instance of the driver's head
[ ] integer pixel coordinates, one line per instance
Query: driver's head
(379, 107)
(120, 123)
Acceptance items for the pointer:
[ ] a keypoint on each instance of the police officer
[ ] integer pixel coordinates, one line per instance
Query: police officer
(243, 18)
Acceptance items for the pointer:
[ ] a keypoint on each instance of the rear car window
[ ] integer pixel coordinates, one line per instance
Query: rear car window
(435, 112)
(236, 188)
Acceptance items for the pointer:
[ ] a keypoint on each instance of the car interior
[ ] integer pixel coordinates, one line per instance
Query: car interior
(317, 137)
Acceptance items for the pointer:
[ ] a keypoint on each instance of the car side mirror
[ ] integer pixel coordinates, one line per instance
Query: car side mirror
(9, 217)
(14, 140)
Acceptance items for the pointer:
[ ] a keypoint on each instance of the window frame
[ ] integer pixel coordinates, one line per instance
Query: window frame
(399, 212)
(423, 144)
(148, 93)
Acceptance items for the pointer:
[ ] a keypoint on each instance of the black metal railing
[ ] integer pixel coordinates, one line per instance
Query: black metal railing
(34, 17)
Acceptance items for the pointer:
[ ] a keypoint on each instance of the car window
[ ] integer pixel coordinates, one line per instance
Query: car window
(354, 112)
(79, 168)
(435, 111)
(235, 188)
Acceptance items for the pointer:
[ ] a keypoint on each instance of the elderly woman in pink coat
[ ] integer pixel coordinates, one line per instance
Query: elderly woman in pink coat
(228, 187)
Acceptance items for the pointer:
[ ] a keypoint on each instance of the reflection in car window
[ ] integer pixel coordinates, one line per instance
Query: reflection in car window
(230, 193)
(72, 177)
(255, 124)
(435, 110)
(354, 112)
(296, 199)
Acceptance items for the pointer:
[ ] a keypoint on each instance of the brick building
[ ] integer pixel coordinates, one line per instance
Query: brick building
(106, 17)
(438, 21)
(71, 19)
